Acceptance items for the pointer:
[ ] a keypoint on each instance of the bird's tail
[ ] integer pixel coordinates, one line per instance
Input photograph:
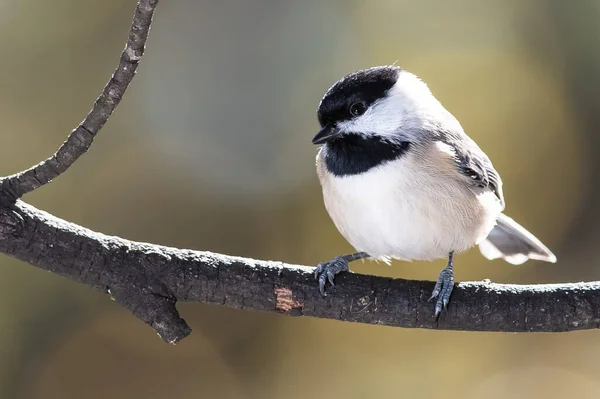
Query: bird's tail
(510, 241)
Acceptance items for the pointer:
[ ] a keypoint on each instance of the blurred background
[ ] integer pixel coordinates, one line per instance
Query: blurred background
(211, 150)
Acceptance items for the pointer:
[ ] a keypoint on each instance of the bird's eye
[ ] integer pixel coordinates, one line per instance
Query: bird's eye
(357, 109)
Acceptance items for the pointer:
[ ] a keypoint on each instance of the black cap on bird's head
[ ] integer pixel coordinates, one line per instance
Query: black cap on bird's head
(351, 96)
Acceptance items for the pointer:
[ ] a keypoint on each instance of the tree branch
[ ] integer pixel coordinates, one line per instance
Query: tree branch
(80, 139)
(148, 280)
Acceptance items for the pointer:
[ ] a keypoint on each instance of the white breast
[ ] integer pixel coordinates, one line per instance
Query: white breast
(404, 211)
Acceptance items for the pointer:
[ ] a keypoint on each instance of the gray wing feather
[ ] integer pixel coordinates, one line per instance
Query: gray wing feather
(472, 162)
(507, 240)
(476, 166)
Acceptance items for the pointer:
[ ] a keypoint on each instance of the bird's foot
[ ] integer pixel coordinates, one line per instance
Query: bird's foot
(443, 289)
(326, 271)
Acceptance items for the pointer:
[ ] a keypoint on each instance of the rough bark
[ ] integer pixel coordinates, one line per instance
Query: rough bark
(148, 279)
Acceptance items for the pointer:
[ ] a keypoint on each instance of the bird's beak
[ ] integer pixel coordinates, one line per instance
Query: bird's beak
(326, 134)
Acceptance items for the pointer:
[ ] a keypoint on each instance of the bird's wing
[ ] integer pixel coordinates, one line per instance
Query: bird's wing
(475, 165)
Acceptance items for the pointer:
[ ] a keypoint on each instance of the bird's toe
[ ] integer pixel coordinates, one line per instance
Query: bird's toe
(326, 271)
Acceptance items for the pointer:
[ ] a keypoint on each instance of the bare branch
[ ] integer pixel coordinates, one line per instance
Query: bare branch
(80, 139)
(149, 279)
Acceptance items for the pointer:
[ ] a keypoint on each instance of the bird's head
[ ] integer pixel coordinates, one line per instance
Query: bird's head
(383, 102)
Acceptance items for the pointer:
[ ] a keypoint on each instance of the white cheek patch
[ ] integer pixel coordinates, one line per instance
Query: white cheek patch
(409, 105)
(383, 118)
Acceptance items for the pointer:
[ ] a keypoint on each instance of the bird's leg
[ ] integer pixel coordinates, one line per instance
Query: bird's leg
(326, 271)
(444, 286)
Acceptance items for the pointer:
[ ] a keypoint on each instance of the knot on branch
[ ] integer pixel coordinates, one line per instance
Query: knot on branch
(132, 56)
(12, 223)
(156, 309)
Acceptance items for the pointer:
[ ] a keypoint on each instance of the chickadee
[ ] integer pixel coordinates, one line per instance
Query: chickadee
(402, 180)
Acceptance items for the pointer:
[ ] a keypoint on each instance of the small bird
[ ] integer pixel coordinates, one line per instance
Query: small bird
(402, 180)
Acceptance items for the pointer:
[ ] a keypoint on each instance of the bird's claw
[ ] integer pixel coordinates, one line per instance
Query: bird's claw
(326, 271)
(442, 290)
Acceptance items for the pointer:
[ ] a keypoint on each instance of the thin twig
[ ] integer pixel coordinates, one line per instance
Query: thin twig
(80, 139)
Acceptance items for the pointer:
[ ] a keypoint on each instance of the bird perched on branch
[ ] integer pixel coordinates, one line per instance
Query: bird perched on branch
(402, 180)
